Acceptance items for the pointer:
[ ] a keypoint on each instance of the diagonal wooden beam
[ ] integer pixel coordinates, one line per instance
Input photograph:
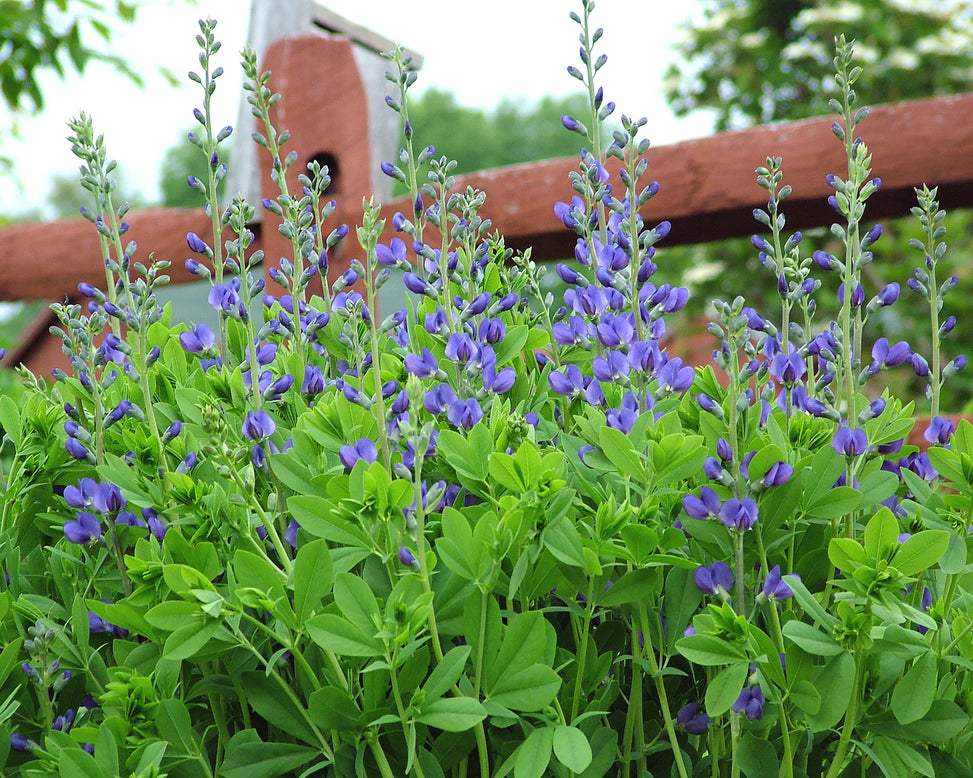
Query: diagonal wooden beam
(47, 261)
(709, 186)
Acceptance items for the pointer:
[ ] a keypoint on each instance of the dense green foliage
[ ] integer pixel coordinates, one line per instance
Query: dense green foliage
(756, 61)
(472, 538)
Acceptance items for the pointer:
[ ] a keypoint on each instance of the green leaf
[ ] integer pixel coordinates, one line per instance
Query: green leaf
(877, 487)
(903, 643)
(896, 759)
(811, 639)
(572, 748)
(943, 722)
(175, 727)
(10, 419)
(504, 472)
(457, 548)
(534, 754)
(631, 587)
(74, 763)
(881, 534)
(708, 650)
(280, 710)
(838, 502)
(725, 688)
(525, 642)
(767, 657)
(10, 657)
(318, 517)
(561, 538)
(820, 476)
(619, 449)
(640, 540)
(757, 757)
(921, 552)
(170, 615)
(354, 598)
(604, 747)
(838, 674)
(188, 640)
(809, 603)
(806, 697)
(288, 468)
(511, 344)
(106, 751)
(948, 464)
(468, 456)
(452, 714)
(248, 757)
(446, 673)
(332, 708)
(913, 695)
(846, 554)
(313, 575)
(528, 690)
(340, 636)
(954, 558)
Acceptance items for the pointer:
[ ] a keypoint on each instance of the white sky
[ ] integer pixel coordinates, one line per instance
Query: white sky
(515, 48)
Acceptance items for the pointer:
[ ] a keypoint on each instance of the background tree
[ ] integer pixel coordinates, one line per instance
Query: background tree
(757, 61)
(752, 62)
(181, 160)
(38, 36)
(512, 132)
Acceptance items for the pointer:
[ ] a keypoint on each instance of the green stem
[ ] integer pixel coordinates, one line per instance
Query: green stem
(660, 688)
(734, 745)
(634, 707)
(582, 652)
(851, 716)
(383, 763)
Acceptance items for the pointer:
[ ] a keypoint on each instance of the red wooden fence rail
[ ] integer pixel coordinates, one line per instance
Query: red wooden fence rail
(708, 187)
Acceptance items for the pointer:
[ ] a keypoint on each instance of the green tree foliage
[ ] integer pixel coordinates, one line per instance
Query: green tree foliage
(66, 197)
(513, 132)
(180, 161)
(757, 61)
(55, 36)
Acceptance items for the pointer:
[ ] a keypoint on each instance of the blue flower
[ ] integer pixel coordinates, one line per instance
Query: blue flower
(674, 377)
(363, 448)
(703, 507)
(751, 702)
(716, 579)
(77, 449)
(198, 340)
(258, 426)
(849, 442)
(85, 530)
(740, 515)
(313, 380)
(82, 495)
(407, 558)
(393, 255)
(424, 366)
(788, 369)
(940, 430)
(461, 348)
(693, 719)
(610, 367)
(778, 474)
(890, 356)
(775, 587)
(464, 413)
(569, 382)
